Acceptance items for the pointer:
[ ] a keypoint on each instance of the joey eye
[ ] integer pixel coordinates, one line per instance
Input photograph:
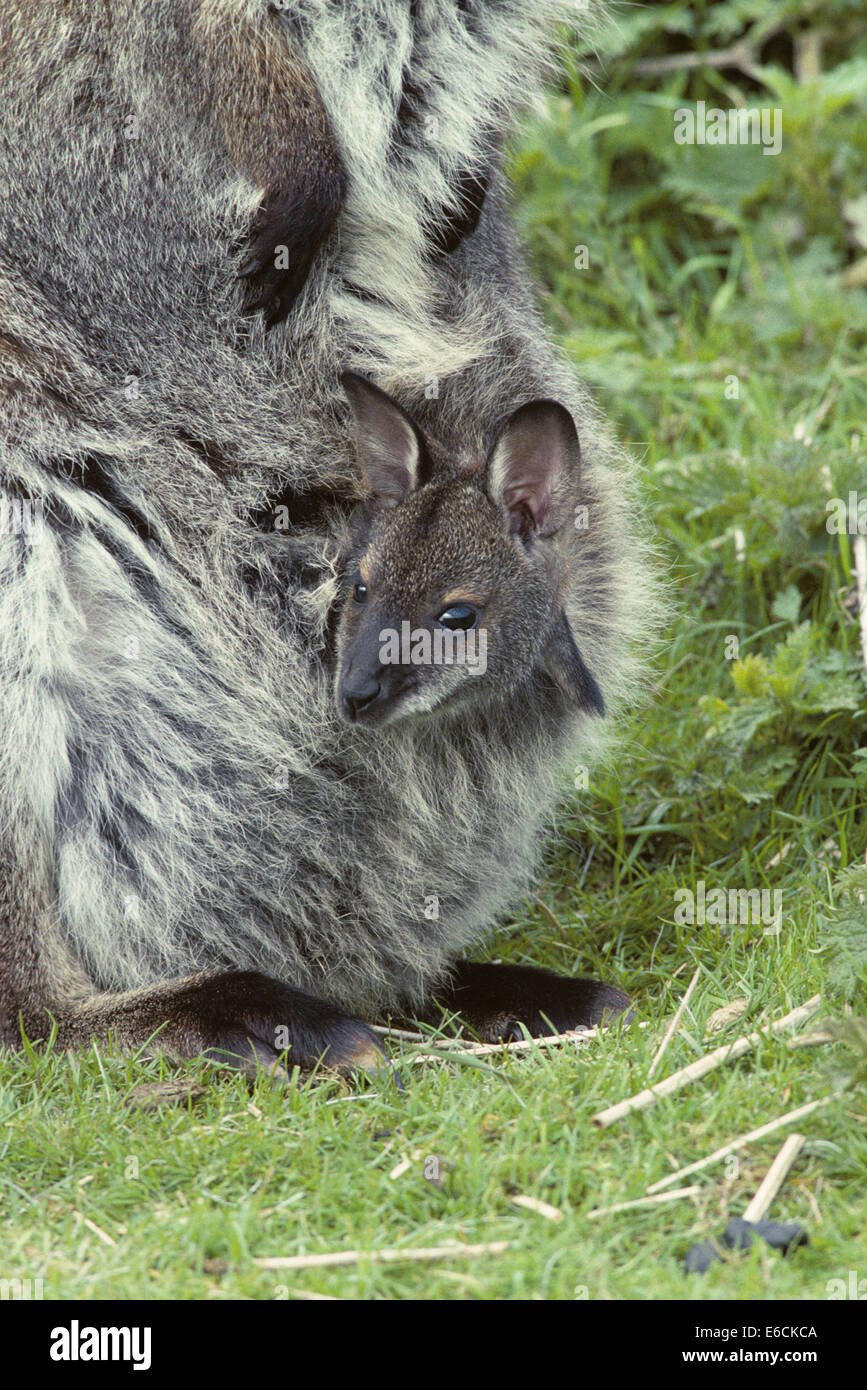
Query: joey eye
(359, 593)
(460, 617)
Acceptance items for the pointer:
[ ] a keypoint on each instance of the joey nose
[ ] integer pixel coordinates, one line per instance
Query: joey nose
(358, 693)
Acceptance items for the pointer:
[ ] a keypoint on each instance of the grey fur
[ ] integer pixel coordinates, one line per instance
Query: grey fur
(177, 790)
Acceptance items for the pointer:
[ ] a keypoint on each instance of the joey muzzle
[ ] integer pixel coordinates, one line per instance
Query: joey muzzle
(366, 688)
(366, 697)
(357, 693)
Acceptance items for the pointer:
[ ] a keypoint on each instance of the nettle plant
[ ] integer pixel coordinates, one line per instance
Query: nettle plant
(802, 704)
(845, 933)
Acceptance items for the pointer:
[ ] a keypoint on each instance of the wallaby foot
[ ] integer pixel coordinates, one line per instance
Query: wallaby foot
(286, 235)
(495, 1000)
(242, 1019)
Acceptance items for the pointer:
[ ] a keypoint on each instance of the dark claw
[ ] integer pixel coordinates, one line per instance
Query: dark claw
(251, 267)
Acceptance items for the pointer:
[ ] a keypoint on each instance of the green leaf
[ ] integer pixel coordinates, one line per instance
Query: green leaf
(787, 604)
(855, 213)
(846, 933)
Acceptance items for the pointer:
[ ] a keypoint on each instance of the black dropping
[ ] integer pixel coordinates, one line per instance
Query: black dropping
(740, 1235)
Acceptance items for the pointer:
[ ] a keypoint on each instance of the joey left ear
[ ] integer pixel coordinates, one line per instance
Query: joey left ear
(389, 448)
(565, 664)
(534, 468)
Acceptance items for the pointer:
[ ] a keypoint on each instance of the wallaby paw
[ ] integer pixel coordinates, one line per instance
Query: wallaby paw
(500, 1002)
(587, 1004)
(275, 271)
(250, 1022)
(286, 235)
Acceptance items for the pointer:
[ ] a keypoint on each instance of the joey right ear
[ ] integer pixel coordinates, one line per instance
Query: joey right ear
(389, 448)
(534, 468)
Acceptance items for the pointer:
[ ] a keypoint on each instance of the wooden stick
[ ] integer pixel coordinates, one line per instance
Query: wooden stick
(646, 1201)
(774, 1178)
(729, 1052)
(352, 1257)
(860, 547)
(579, 1036)
(470, 1049)
(821, 1035)
(742, 56)
(481, 1049)
(741, 1142)
(386, 1032)
(672, 1027)
(540, 1208)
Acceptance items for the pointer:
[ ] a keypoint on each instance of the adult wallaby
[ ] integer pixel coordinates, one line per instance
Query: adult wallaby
(212, 828)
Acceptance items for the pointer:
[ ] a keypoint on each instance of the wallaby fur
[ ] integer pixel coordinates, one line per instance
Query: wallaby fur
(183, 497)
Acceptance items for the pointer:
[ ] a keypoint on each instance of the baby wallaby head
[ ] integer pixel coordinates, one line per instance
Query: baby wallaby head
(454, 590)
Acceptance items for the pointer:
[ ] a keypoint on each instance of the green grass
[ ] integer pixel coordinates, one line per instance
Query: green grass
(749, 773)
(217, 1182)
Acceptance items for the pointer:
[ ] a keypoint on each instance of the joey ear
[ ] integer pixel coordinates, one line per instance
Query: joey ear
(534, 468)
(389, 449)
(565, 664)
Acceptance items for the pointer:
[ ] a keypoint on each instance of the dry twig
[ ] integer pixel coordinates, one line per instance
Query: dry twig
(729, 1052)
(672, 1027)
(646, 1201)
(741, 1142)
(774, 1178)
(352, 1257)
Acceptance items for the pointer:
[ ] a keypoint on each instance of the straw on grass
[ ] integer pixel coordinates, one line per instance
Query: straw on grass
(740, 1142)
(774, 1178)
(729, 1052)
(646, 1201)
(540, 1208)
(672, 1027)
(351, 1257)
